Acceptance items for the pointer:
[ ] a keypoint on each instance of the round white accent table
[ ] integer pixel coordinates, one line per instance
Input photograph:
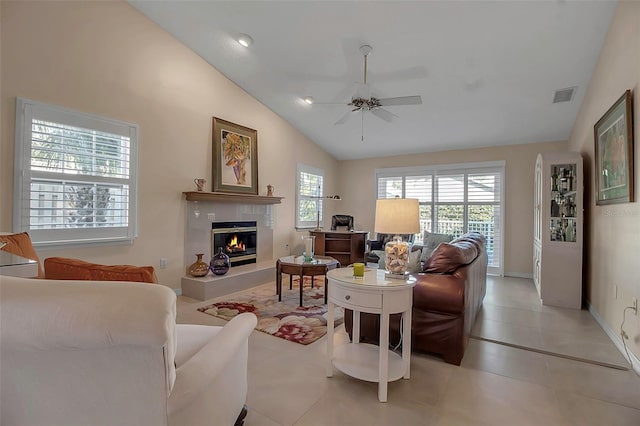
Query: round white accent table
(376, 294)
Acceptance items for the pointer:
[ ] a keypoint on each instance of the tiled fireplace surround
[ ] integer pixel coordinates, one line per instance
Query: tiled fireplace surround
(198, 240)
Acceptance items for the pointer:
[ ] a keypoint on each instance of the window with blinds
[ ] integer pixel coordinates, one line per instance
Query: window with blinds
(75, 176)
(309, 189)
(454, 199)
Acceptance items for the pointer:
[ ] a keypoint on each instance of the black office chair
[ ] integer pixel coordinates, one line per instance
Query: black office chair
(341, 220)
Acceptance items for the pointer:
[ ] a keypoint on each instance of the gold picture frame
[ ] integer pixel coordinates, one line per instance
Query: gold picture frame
(613, 137)
(235, 158)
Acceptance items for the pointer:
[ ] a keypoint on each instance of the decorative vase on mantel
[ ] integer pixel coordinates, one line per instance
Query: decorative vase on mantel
(199, 268)
(220, 263)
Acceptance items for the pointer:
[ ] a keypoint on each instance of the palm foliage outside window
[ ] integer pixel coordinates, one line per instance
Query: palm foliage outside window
(309, 189)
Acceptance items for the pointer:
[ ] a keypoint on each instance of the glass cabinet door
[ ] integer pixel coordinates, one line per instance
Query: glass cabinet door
(537, 195)
(563, 188)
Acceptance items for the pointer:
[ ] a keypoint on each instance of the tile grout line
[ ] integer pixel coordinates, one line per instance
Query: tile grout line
(541, 351)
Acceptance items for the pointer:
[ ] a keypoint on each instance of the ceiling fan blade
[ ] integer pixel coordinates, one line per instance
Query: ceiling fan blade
(402, 100)
(344, 118)
(384, 114)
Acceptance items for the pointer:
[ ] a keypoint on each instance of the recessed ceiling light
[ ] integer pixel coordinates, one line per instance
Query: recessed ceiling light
(308, 100)
(245, 40)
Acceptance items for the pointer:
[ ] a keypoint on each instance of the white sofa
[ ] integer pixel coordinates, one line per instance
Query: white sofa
(110, 353)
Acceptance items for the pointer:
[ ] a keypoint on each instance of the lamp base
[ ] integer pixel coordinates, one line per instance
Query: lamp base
(397, 257)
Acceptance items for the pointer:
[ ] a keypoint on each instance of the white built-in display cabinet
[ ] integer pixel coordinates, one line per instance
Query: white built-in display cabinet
(558, 229)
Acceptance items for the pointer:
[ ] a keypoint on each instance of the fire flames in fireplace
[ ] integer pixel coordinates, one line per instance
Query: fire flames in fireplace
(235, 245)
(237, 239)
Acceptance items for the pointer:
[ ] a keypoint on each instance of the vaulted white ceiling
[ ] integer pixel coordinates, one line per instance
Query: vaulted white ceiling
(486, 70)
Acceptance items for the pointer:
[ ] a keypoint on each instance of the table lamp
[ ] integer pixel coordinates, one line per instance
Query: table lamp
(397, 216)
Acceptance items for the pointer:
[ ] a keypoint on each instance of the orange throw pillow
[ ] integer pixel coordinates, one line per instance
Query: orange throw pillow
(61, 268)
(21, 245)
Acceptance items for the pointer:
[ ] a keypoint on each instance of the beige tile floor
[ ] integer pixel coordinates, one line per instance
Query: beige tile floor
(495, 385)
(512, 313)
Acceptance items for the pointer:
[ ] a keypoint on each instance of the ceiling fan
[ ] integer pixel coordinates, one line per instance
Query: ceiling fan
(362, 101)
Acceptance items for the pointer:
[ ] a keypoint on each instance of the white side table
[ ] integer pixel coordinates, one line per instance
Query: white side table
(378, 295)
(16, 266)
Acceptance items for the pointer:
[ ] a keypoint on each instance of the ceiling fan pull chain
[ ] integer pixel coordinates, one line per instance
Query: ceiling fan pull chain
(362, 123)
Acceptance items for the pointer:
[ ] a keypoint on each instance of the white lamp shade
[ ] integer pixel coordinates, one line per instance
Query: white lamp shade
(397, 216)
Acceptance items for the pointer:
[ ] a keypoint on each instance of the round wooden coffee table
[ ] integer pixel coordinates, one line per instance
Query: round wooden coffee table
(295, 265)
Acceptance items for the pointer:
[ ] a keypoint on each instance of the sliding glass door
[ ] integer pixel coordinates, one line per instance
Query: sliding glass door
(453, 200)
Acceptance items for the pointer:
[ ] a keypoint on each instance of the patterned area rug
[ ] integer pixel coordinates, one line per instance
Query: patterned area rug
(286, 319)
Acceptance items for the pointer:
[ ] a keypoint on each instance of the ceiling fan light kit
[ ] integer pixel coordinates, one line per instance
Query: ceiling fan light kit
(362, 103)
(308, 100)
(245, 40)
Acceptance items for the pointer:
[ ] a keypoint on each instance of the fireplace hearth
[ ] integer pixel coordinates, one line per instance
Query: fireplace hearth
(237, 239)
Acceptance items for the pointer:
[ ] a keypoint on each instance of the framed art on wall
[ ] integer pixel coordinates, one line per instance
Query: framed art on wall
(235, 158)
(613, 136)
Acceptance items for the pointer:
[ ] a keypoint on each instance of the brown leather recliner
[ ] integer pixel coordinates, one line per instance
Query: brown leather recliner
(446, 299)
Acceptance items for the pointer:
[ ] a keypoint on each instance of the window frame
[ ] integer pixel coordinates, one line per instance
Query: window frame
(304, 168)
(27, 111)
(448, 169)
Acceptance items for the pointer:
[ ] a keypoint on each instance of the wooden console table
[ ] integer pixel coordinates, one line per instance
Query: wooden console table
(346, 247)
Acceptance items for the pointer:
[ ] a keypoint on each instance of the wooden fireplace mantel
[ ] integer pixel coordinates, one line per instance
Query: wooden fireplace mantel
(223, 197)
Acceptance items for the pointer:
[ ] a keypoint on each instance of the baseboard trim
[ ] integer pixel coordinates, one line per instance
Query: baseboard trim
(615, 338)
(518, 275)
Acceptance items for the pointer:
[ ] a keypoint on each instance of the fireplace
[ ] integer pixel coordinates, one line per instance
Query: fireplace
(237, 239)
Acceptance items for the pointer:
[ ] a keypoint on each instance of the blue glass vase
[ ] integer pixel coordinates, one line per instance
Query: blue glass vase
(220, 263)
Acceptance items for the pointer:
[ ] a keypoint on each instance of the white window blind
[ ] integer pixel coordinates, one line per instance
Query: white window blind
(309, 186)
(75, 176)
(410, 186)
(453, 199)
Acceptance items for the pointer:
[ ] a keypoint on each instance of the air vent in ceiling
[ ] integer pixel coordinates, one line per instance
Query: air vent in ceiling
(564, 95)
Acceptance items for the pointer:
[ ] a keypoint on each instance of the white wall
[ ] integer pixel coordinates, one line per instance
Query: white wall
(612, 234)
(107, 58)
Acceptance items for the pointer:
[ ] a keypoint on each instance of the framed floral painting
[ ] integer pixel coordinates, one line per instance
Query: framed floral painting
(235, 158)
(613, 136)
